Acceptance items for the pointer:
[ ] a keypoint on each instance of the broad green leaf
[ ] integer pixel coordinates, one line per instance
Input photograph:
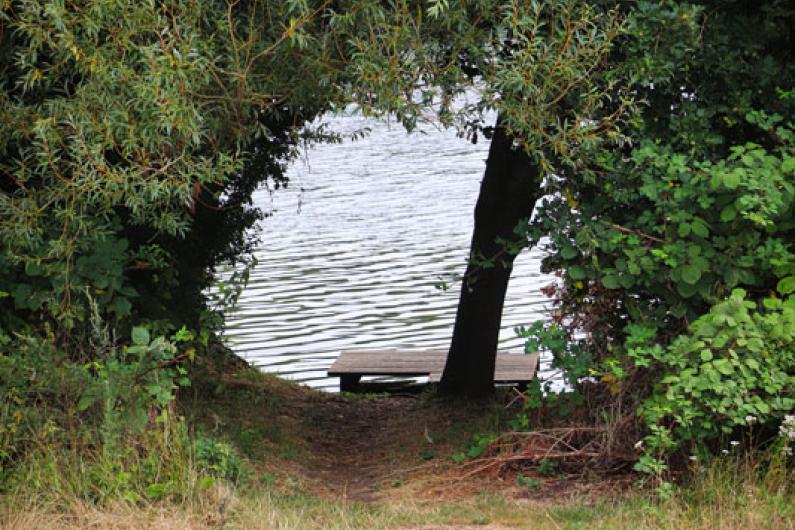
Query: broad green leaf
(699, 229)
(786, 285)
(684, 229)
(121, 306)
(732, 179)
(568, 252)
(691, 274)
(610, 281)
(686, 291)
(728, 213)
(723, 366)
(140, 336)
(576, 272)
(86, 400)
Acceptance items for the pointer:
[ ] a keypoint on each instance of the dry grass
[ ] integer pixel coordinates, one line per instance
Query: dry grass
(700, 506)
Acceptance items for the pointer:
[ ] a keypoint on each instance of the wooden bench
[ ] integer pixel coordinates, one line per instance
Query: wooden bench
(350, 366)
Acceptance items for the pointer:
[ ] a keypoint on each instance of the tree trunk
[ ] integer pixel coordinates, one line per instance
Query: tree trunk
(509, 190)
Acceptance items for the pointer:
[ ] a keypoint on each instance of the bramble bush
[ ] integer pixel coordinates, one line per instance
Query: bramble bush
(735, 367)
(678, 252)
(708, 243)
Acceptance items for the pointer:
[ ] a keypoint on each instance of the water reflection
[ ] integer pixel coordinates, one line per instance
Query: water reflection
(353, 249)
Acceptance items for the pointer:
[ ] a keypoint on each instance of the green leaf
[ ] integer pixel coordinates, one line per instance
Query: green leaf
(728, 213)
(706, 355)
(155, 491)
(732, 179)
(101, 281)
(691, 274)
(86, 400)
(684, 229)
(140, 336)
(610, 281)
(475, 451)
(723, 366)
(685, 290)
(568, 252)
(699, 229)
(121, 306)
(576, 272)
(786, 285)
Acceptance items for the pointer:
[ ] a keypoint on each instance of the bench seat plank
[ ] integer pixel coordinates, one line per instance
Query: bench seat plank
(351, 365)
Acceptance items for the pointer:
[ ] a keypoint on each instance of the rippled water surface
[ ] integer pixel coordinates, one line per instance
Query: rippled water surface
(353, 249)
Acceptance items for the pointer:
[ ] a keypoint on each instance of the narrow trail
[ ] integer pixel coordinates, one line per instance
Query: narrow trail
(353, 442)
(368, 447)
(362, 445)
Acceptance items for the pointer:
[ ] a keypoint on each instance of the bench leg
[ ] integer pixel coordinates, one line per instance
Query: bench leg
(349, 383)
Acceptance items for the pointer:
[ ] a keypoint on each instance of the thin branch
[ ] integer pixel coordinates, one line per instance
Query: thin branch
(633, 231)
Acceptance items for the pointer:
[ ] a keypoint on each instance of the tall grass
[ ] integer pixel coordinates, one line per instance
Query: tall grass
(60, 493)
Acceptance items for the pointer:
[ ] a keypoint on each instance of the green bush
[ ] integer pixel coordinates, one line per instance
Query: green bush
(678, 251)
(49, 400)
(216, 459)
(128, 155)
(39, 390)
(734, 369)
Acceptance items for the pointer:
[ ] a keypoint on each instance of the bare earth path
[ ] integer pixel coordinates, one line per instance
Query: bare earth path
(361, 445)
(369, 447)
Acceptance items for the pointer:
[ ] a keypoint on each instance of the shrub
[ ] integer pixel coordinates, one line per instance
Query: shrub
(677, 254)
(735, 368)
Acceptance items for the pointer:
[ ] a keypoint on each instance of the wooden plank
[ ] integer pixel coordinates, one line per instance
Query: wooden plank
(510, 368)
(389, 362)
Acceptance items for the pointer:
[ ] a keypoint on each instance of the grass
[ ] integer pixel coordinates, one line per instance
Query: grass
(280, 431)
(224, 507)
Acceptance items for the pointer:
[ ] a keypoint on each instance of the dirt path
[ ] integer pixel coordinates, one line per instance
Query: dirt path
(353, 441)
(361, 445)
(365, 447)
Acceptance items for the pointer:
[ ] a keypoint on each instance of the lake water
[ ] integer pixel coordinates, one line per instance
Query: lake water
(351, 255)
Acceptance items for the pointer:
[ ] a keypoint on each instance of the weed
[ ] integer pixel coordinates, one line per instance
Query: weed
(548, 467)
(528, 483)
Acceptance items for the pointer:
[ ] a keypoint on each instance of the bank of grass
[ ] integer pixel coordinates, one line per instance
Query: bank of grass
(164, 483)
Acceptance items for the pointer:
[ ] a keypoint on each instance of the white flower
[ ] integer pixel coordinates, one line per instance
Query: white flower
(787, 428)
(694, 458)
(786, 450)
(725, 451)
(750, 419)
(734, 443)
(639, 444)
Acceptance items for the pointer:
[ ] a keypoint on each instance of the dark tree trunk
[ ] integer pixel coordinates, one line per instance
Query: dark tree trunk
(509, 190)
